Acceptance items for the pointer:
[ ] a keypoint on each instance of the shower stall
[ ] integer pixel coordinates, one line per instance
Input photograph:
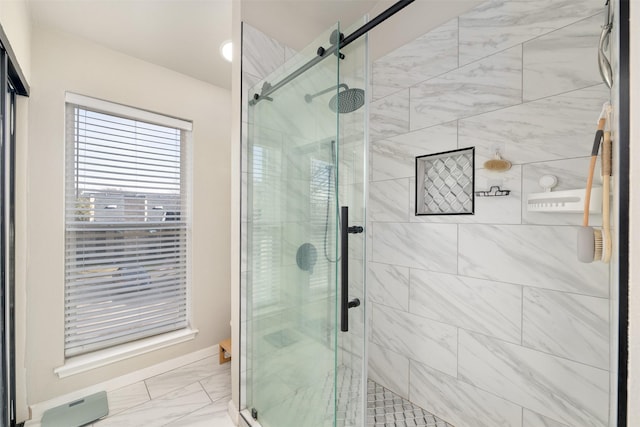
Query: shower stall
(305, 245)
(369, 296)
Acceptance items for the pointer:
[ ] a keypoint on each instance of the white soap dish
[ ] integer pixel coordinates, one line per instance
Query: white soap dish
(566, 201)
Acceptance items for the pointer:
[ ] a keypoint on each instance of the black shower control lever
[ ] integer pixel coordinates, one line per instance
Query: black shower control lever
(356, 229)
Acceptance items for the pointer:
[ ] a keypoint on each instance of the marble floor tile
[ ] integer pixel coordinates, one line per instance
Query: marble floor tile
(161, 411)
(127, 397)
(213, 415)
(217, 385)
(180, 377)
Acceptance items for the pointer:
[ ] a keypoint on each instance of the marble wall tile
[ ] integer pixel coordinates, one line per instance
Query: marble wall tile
(426, 341)
(429, 55)
(389, 200)
(499, 24)
(562, 60)
(389, 116)
(426, 246)
(380, 359)
(161, 411)
(571, 175)
(490, 84)
(396, 157)
(388, 285)
(379, 91)
(457, 402)
(532, 419)
(572, 326)
(483, 306)
(557, 388)
(557, 127)
(488, 210)
(261, 54)
(539, 256)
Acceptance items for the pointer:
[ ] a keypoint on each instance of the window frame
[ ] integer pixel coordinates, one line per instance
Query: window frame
(89, 360)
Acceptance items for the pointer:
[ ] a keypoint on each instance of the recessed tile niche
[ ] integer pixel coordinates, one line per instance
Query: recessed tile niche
(445, 183)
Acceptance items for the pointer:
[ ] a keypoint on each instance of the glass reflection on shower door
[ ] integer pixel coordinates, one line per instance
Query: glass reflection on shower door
(292, 254)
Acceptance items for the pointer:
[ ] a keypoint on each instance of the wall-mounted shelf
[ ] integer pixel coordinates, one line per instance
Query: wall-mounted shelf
(567, 201)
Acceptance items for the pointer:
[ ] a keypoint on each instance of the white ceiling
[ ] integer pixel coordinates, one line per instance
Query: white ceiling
(185, 35)
(182, 35)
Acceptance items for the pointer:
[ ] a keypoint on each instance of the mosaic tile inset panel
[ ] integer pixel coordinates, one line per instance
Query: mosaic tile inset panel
(445, 183)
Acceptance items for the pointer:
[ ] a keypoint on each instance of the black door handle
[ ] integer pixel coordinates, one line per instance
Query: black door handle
(345, 304)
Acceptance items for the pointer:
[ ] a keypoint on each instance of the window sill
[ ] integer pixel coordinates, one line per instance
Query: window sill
(86, 362)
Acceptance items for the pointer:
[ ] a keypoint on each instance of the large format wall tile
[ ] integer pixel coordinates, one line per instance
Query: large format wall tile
(483, 306)
(558, 388)
(539, 256)
(499, 24)
(426, 246)
(571, 175)
(552, 128)
(389, 116)
(532, 419)
(492, 83)
(429, 342)
(396, 157)
(389, 200)
(388, 285)
(459, 403)
(380, 359)
(487, 210)
(563, 60)
(427, 56)
(261, 54)
(567, 325)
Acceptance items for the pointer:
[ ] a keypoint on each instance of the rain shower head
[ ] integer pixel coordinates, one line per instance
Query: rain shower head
(347, 101)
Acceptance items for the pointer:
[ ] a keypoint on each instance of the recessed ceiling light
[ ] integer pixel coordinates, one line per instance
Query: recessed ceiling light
(226, 50)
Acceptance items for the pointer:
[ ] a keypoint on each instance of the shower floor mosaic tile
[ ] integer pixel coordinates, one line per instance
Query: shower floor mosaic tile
(387, 409)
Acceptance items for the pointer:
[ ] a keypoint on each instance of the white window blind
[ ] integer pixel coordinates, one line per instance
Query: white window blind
(126, 223)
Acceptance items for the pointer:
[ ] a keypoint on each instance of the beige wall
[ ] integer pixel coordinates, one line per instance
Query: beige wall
(65, 63)
(15, 21)
(634, 237)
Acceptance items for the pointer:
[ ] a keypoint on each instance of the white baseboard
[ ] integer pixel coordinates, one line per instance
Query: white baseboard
(234, 414)
(38, 409)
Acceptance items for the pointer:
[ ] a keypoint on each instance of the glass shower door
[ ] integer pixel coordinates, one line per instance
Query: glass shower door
(292, 254)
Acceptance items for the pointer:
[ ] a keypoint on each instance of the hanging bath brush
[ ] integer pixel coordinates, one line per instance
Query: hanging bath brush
(497, 164)
(594, 244)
